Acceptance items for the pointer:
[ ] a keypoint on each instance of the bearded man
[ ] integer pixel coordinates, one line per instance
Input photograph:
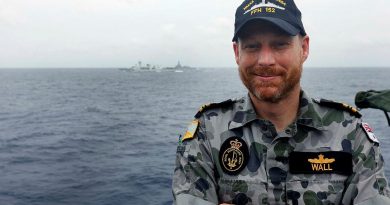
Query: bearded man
(276, 145)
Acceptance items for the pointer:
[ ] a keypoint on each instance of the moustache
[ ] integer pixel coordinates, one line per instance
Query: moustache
(267, 71)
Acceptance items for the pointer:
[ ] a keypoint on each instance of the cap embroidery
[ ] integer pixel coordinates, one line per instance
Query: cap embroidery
(269, 7)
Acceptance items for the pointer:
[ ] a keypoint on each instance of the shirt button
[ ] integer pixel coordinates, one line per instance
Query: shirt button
(283, 160)
(240, 199)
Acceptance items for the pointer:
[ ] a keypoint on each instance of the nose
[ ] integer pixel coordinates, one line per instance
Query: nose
(266, 57)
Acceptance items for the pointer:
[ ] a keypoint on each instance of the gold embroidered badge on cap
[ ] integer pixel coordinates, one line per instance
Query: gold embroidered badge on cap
(264, 6)
(233, 155)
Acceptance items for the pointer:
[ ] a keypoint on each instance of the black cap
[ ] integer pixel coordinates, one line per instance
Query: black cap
(282, 13)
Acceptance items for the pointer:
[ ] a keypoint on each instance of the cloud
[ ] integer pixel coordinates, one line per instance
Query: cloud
(169, 28)
(138, 1)
(10, 15)
(162, 32)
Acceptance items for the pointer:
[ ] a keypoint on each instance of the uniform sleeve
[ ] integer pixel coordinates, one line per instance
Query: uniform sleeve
(368, 184)
(193, 180)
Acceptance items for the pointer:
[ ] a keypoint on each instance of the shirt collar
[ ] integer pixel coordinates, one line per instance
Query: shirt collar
(244, 113)
(307, 115)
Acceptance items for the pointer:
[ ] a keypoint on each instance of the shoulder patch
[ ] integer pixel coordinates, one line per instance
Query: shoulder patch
(190, 130)
(213, 105)
(341, 106)
(370, 134)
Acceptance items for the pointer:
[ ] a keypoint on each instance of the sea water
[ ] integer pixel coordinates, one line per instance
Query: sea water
(107, 136)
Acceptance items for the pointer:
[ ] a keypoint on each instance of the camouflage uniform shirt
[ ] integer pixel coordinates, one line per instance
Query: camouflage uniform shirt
(266, 176)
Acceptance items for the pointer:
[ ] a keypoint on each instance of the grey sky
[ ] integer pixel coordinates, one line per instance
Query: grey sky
(118, 33)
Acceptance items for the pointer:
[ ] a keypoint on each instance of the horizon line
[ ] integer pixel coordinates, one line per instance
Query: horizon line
(200, 67)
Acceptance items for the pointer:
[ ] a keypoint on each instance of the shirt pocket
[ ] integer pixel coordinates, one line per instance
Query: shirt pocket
(315, 189)
(252, 189)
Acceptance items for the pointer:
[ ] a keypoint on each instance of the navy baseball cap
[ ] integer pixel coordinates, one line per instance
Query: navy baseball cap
(282, 13)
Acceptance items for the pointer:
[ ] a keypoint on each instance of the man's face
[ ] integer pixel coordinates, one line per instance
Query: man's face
(270, 61)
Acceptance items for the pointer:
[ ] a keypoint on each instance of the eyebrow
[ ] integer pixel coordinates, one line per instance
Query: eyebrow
(249, 37)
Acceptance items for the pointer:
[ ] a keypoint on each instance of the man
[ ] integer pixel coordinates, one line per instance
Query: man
(276, 145)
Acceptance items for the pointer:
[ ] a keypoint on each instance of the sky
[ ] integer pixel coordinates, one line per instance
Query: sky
(119, 33)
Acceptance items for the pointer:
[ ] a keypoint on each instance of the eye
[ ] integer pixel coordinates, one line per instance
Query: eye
(281, 44)
(252, 46)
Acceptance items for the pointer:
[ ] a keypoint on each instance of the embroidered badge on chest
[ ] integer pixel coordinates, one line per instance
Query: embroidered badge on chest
(233, 155)
(320, 163)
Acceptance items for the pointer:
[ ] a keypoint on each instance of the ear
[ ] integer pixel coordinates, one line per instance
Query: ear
(305, 47)
(236, 48)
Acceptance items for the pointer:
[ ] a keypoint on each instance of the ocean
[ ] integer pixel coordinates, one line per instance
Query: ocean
(107, 136)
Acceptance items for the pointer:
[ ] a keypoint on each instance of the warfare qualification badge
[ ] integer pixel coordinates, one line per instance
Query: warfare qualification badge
(329, 162)
(233, 155)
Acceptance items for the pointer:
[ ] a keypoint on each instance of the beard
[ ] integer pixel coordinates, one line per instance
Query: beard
(270, 91)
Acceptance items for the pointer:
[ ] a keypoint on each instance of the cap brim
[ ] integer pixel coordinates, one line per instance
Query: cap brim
(283, 25)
